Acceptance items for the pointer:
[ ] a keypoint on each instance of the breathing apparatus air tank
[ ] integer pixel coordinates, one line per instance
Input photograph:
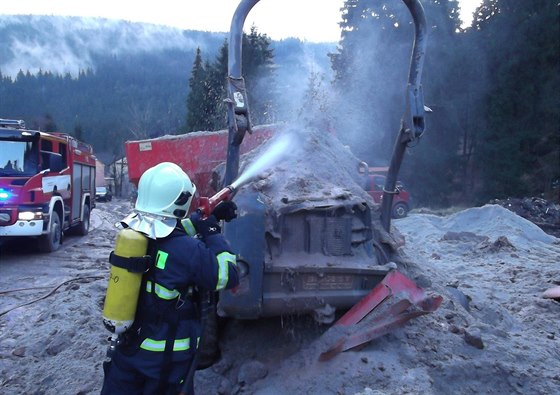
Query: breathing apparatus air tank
(128, 262)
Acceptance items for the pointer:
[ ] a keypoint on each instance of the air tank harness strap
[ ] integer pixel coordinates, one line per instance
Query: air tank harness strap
(172, 315)
(183, 307)
(153, 315)
(139, 264)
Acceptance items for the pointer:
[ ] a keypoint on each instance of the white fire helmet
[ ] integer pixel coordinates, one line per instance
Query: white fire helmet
(165, 193)
(165, 190)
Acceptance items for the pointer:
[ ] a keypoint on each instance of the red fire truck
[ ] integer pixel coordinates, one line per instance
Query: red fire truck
(46, 184)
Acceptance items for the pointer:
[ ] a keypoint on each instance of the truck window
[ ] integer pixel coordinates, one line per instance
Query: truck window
(64, 154)
(46, 145)
(379, 183)
(18, 158)
(369, 184)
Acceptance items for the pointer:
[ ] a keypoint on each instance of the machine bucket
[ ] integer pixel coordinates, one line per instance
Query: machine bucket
(384, 309)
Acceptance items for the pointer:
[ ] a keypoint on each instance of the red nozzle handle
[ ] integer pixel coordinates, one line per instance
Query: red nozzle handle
(207, 205)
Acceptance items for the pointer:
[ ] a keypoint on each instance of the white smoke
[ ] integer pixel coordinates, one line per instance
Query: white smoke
(68, 44)
(294, 76)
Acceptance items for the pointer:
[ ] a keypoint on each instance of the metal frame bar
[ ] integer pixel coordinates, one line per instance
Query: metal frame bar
(412, 125)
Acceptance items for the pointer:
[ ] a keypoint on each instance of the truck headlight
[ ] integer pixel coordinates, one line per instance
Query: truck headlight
(30, 215)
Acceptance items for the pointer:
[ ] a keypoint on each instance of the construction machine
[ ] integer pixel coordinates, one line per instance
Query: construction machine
(339, 249)
(303, 254)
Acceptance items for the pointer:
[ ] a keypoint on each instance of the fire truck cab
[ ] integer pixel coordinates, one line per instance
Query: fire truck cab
(47, 184)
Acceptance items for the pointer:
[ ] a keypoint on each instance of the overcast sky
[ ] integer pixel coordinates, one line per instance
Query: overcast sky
(311, 20)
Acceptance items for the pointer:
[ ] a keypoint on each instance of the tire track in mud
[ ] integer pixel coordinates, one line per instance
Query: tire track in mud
(28, 276)
(59, 330)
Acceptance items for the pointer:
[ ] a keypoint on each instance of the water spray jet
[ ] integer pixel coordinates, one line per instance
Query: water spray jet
(271, 156)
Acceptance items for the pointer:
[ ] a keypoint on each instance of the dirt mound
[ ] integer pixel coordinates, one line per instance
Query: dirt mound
(539, 211)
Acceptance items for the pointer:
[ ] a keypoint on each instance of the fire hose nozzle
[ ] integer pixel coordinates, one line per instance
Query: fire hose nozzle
(208, 204)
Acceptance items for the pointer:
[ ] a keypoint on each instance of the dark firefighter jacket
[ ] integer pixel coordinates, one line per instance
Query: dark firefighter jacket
(182, 265)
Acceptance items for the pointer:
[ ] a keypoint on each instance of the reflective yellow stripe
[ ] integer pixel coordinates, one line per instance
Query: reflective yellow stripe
(188, 226)
(161, 291)
(159, 345)
(161, 258)
(182, 344)
(223, 268)
(165, 293)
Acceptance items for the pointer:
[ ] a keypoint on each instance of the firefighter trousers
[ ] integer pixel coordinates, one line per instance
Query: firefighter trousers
(122, 378)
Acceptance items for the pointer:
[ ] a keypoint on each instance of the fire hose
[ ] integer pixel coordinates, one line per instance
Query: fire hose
(44, 296)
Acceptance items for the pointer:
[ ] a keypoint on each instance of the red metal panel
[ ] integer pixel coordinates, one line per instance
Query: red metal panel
(197, 153)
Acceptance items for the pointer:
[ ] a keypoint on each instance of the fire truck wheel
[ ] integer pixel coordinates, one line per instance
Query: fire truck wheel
(400, 210)
(82, 228)
(51, 241)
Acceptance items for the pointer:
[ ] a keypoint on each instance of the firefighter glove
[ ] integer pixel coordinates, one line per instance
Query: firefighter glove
(205, 226)
(225, 210)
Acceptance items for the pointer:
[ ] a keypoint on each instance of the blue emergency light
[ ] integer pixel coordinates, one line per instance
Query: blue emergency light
(4, 195)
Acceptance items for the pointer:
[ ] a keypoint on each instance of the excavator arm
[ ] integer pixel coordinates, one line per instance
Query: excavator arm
(412, 124)
(238, 115)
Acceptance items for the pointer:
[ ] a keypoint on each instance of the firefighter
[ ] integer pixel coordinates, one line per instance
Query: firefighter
(189, 255)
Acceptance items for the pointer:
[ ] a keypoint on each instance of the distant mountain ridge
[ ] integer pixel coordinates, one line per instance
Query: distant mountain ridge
(117, 80)
(69, 44)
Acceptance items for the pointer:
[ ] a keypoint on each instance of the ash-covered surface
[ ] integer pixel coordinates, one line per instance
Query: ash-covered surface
(541, 212)
(315, 169)
(493, 334)
(55, 342)
(311, 189)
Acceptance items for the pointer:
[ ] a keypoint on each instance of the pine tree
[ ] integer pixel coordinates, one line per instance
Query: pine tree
(196, 100)
(208, 85)
(78, 132)
(47, 124)
(216, 80)
(258, 71)
(520, 146)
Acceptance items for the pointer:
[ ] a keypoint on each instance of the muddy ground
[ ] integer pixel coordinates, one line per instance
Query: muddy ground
(493, 334)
